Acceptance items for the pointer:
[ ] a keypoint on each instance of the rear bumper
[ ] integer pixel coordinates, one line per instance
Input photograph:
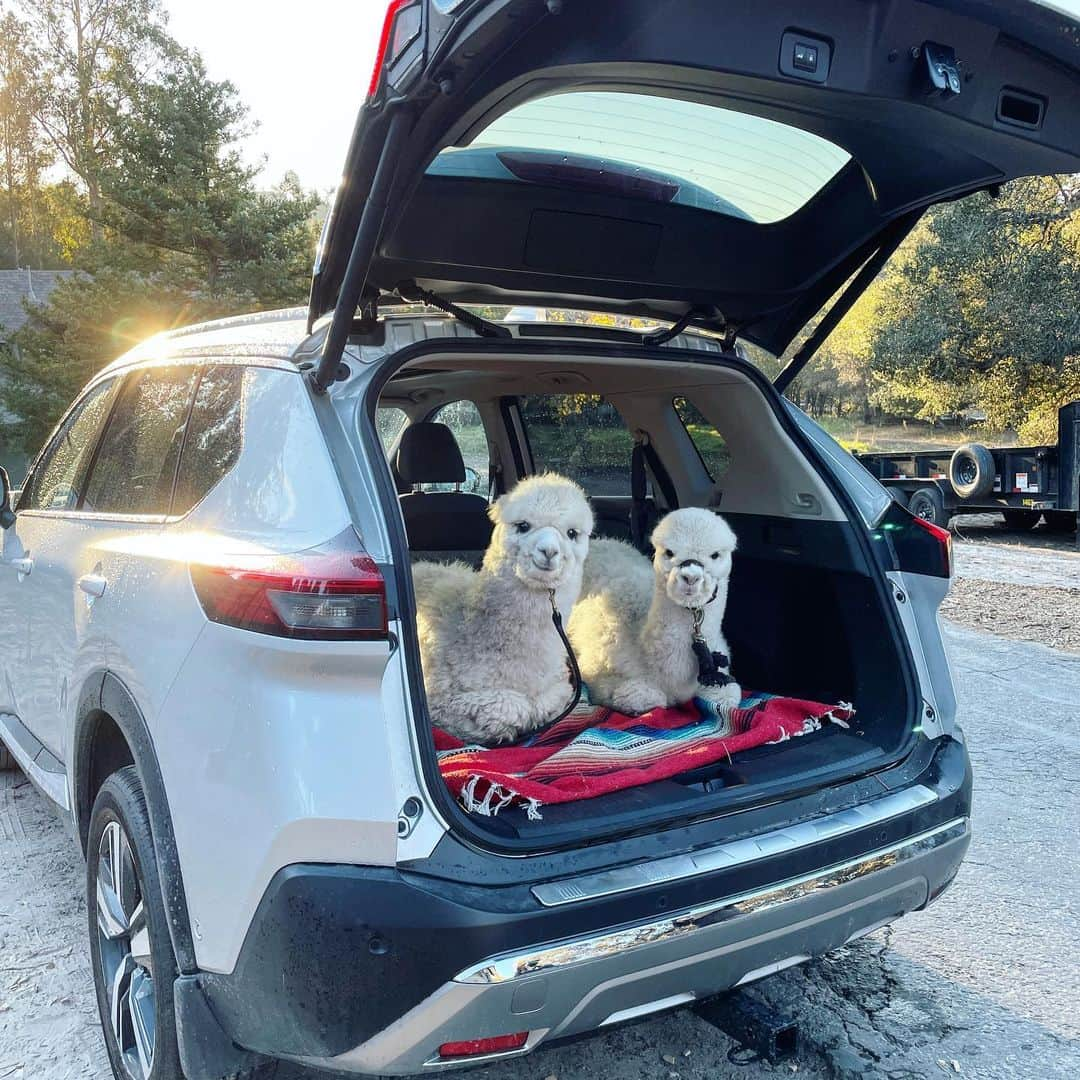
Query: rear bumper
(369, 971)
(566, 988)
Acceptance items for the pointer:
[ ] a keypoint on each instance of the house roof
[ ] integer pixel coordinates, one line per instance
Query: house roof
(16, 286)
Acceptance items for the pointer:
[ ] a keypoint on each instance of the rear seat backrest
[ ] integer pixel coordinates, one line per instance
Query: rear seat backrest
(441, 525)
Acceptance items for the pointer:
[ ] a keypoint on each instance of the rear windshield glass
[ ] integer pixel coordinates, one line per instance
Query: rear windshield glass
(581, 436)
(652, 148)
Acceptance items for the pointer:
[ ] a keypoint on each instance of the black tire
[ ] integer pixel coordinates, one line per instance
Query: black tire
(1063, 521)
(128, 928)
(1021, 520)
(972, 471)
(7, 762)
(927, 503)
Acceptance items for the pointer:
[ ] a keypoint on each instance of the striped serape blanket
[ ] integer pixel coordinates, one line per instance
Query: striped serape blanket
(595, 751)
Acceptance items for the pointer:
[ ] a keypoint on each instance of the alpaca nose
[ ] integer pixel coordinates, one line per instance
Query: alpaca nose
(549, 549)
(691, 572)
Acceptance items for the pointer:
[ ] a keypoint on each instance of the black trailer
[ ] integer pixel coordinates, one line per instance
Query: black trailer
(1025, 483)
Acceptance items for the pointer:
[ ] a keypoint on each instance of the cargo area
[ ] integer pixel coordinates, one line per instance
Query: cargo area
(807, 613)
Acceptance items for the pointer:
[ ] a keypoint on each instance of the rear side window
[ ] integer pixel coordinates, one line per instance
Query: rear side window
(389, 420)
(707, 440)
(464, 420)
(136, 464)
(581, 436)
(215, 435)
(55, 482)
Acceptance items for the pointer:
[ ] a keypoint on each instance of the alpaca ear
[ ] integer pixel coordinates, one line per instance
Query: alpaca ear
(495, 510)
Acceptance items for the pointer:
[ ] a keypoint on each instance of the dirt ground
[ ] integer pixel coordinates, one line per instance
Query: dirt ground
(1021, 585)
(984, 984)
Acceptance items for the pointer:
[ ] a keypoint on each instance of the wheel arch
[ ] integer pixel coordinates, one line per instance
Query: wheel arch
(111, 732)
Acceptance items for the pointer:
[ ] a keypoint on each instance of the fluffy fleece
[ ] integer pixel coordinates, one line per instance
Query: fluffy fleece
(633, 626)
(494, 666)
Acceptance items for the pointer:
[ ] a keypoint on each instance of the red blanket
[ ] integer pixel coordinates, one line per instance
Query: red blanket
(594, 750)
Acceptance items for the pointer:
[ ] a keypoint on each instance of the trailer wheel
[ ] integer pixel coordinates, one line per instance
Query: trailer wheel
(928, 504)
(1060, 520)
(971, 471)
(1021, 520)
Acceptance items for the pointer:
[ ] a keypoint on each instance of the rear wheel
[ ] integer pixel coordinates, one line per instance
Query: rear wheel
(130, 950)
(928, 504)
(1021, 520)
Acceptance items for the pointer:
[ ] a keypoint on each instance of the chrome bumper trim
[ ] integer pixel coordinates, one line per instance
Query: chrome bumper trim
(564, 954)
(737, 853)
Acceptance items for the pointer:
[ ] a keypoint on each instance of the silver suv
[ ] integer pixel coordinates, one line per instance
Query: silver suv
(207, 635)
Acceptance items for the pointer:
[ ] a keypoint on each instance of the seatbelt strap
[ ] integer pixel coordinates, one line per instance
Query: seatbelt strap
(639, 510)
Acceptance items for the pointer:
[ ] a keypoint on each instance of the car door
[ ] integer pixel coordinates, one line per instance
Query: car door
(103, 569)
(33, 605)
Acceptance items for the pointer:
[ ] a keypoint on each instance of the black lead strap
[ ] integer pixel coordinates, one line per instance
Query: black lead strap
(709, 663)
(571, 659)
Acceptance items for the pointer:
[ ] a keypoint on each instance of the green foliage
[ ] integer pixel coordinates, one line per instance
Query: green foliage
(985, 310)
(157, 209)
(977, 309)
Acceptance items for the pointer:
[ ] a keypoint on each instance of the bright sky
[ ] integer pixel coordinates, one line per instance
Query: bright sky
(302, 70)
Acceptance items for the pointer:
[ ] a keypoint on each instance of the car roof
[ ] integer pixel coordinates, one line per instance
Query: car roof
(275, 335)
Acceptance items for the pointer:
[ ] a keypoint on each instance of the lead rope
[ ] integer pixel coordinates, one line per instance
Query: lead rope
(709, 663)
(571, 659)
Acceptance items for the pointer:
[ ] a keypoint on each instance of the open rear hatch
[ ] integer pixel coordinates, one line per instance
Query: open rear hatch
(670, 158)
(730, 168)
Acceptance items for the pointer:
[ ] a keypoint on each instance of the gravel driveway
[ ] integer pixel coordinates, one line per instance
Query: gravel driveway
(984, 984)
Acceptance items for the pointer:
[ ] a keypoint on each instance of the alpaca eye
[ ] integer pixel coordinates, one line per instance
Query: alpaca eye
(522, 527)
(572, 534)
(715, 555)
(669, 554)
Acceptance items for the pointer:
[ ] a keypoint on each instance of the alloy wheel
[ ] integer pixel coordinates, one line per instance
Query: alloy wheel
(124, 946)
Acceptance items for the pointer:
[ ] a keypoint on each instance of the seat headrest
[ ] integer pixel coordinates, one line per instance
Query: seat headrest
(428, 453)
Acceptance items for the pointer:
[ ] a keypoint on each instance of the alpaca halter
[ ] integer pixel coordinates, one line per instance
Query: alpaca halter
(709, 663)
(571, 659)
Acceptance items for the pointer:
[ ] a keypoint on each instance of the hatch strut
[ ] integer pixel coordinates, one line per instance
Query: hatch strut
(413, 293)
(363, 249)
(891, 239)
(669, 333)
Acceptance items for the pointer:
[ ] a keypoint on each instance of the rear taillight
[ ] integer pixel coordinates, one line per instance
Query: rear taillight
(400, 27)
(913, 545)
(330, 593)
(943, 538)
(499, 1044)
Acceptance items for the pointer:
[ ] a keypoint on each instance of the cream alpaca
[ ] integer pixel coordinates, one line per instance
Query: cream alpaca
(633, 627)
(494, 666)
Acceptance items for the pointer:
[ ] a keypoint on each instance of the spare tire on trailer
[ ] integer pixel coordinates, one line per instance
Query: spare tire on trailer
(927, 503)
(971, 471)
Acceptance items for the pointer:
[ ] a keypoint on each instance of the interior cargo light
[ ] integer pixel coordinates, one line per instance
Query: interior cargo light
(334, 592)
(400, 27)
(474, 1047)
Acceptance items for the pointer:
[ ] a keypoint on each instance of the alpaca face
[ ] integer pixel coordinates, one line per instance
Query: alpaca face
(693, 549)
(542, 531)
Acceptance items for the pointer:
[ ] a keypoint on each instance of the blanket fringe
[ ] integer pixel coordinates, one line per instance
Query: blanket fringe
(815, 723)
(496, 797)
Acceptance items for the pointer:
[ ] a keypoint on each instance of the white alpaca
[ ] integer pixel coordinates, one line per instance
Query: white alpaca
(494, 666)
(634, 625)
